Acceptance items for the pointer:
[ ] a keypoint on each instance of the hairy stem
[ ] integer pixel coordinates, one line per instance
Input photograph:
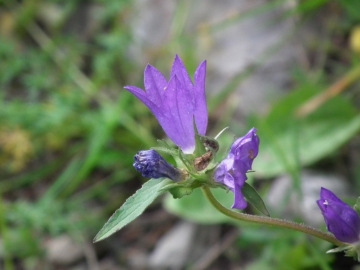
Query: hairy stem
(270, 221)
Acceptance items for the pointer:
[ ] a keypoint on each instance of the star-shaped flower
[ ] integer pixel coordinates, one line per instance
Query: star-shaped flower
(176, 103)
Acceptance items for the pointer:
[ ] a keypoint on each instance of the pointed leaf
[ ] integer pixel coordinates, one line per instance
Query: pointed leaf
(133, 207)
(254, 198)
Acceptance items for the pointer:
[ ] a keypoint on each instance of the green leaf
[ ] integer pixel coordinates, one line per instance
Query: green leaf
(133, 207)
(197, 208)
(254, 198)
(288, 143)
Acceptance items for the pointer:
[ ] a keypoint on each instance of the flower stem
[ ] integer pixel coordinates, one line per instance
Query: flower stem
(283, 223)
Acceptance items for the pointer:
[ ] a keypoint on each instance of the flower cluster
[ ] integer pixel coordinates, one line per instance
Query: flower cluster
(180, 107)
(178, 104)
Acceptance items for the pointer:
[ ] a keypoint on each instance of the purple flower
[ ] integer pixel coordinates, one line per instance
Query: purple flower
(231, 172)
(341, 220)
(177, 103)
(151, 165)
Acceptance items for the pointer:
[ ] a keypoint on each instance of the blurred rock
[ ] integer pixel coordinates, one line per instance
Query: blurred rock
(109, 264)
(172, 249)
(63, 250)
(82, 266)
(283, 199)
(137, 258)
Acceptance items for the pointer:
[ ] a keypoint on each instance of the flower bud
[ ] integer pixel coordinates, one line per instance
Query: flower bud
(151, 165)
(341, 220)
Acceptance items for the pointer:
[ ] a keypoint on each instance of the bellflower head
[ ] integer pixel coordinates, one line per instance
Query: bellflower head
(151, 165)
(341, 220)
(176, 103)
(231, 172)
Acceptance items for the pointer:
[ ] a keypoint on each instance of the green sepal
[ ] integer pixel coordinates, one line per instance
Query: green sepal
(357, 206)
(340, 249)
(179, 192)
(163, 150)
(186, 159)
(199, 147)
(351, 250)
(164, 144)
(180, 158)
(254, 198)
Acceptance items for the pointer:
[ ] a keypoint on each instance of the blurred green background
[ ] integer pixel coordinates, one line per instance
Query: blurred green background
(68, 130)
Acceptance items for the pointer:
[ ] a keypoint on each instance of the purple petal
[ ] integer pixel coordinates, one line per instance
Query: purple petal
(178, 69)
(239, 180)
(165, 120)
(326, 194)
(141, 95)
(155, 84)
(231, 172)
(179, 109)
(239, 201)
(185, 104)
(201, 112)
(229, 181)
(246, 149)
(222, 175)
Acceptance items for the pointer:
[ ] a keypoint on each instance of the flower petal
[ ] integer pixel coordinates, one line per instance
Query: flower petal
(231, 172)
(201, 112)
(239, 200)
(326, 194)
(246, 149)
(178, 69)
(143, 97)
(155, 84)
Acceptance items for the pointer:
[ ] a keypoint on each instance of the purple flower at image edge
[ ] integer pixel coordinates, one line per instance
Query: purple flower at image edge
(341, 220)
(176, 103)
(231, 172)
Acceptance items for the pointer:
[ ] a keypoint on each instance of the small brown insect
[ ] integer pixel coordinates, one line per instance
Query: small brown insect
(210, 143)
(200, 163)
